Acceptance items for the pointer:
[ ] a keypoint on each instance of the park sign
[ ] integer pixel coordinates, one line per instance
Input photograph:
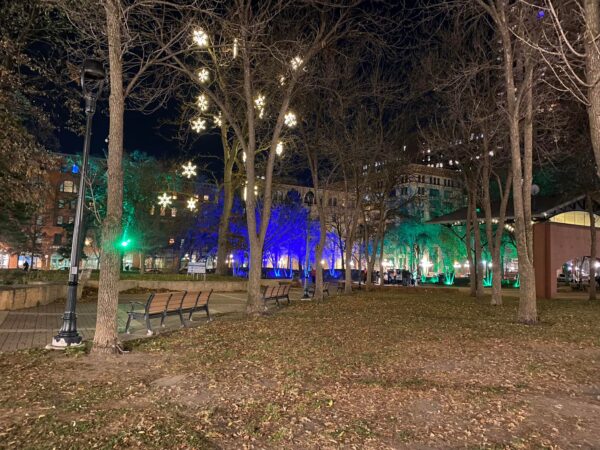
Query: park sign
(197, 268)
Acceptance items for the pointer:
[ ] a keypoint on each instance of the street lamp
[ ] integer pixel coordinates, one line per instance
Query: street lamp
(92, 80)
(308, 201)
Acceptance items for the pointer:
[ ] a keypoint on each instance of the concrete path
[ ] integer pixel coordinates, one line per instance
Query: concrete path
(35, 327)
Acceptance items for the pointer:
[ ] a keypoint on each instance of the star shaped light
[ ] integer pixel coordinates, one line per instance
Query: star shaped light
(290, 119)
(203, 75)
(191, 204)
(198, 124)
(189, 170)
(202, 102)
(200, 37)
(164, 200)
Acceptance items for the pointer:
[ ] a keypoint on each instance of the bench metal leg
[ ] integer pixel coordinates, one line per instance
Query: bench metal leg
(149, 331)
(208, 314)
(128, 324)
(181, 319)
(162, 320)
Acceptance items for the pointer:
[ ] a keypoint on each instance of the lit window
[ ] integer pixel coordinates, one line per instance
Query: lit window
(206, 197)
(173, 212)
(40, 220)
(59, 220)
(71, 219)
(162, 211)
(152, 210)
(61, 204)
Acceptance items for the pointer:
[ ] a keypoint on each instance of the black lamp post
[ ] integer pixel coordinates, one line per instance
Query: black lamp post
(308, 201)
(92, 79)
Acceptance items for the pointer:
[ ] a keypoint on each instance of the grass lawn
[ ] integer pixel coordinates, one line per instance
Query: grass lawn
(423, 369)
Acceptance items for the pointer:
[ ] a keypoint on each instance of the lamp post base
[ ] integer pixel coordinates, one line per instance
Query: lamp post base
(60, 342)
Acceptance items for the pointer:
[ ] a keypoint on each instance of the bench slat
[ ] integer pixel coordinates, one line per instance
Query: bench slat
(175, 301)
(159, 302)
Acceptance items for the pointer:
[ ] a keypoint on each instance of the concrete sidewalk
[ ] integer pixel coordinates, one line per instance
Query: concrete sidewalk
(35, 327)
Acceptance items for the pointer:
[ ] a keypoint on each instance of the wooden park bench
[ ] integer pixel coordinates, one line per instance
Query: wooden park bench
(195, 301)
(277, 293)
(312, 289)
(341, 286)
(158, 305)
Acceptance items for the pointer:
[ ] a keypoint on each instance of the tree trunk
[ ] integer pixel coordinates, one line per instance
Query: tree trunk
(480, 265)
(106, 336)
(472, 266)
(222, 248)
(254, 305)
(521, 169)
(590, 208)
(592, 18)
(319, 255)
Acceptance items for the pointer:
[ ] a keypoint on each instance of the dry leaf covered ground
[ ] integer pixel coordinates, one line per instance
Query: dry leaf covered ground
(389, 369)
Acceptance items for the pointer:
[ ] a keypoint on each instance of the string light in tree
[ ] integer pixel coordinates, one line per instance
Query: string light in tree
(235, 48)
(201, 38)
(198, 124)
(191, 204)
(279, 148)
(203, 75)
(296, 62)
(202, 102)
(164, 200)
(189, 170)
(282, 80)
(290, 119)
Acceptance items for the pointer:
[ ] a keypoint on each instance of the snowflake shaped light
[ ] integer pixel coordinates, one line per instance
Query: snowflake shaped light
(203, 75)
(279, 148)
(296, 62)
(202, 102)
(164, 200)
(198, 124)
(260, 102)
(191, 204)
(200, 37)
(218, 120)
(189, 170)
(290, 119)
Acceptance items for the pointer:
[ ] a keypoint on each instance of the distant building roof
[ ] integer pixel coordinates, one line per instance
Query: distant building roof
(542, 209)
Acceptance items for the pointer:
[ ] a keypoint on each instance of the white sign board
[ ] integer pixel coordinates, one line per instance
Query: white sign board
(196, 267)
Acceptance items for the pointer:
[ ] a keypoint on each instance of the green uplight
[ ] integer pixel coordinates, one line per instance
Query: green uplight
(126, 243)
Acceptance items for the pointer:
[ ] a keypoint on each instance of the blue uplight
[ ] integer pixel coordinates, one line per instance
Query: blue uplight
(75, 168)
(541, 13)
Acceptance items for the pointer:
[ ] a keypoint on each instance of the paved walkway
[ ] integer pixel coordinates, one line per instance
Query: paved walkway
(35, 327)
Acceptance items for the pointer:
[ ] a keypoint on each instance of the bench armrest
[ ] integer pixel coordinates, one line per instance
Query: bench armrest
(132, 304)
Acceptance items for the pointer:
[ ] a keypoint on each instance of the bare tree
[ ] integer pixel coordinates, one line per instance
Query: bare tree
(569, 44)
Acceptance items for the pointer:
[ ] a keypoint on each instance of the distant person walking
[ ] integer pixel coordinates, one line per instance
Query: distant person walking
(25, 266)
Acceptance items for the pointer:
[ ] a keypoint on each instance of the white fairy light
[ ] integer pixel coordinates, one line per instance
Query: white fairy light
(244, 156)
(281, 80)
(279, 148)
(191, 204)
(218, 120)
(203, 75)
(202, 102)
(235, 48)
(296, 62)
(198, 124)
(189, 170)
(290, 119)
(164, 200)
(260, 102)
(200, 37)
